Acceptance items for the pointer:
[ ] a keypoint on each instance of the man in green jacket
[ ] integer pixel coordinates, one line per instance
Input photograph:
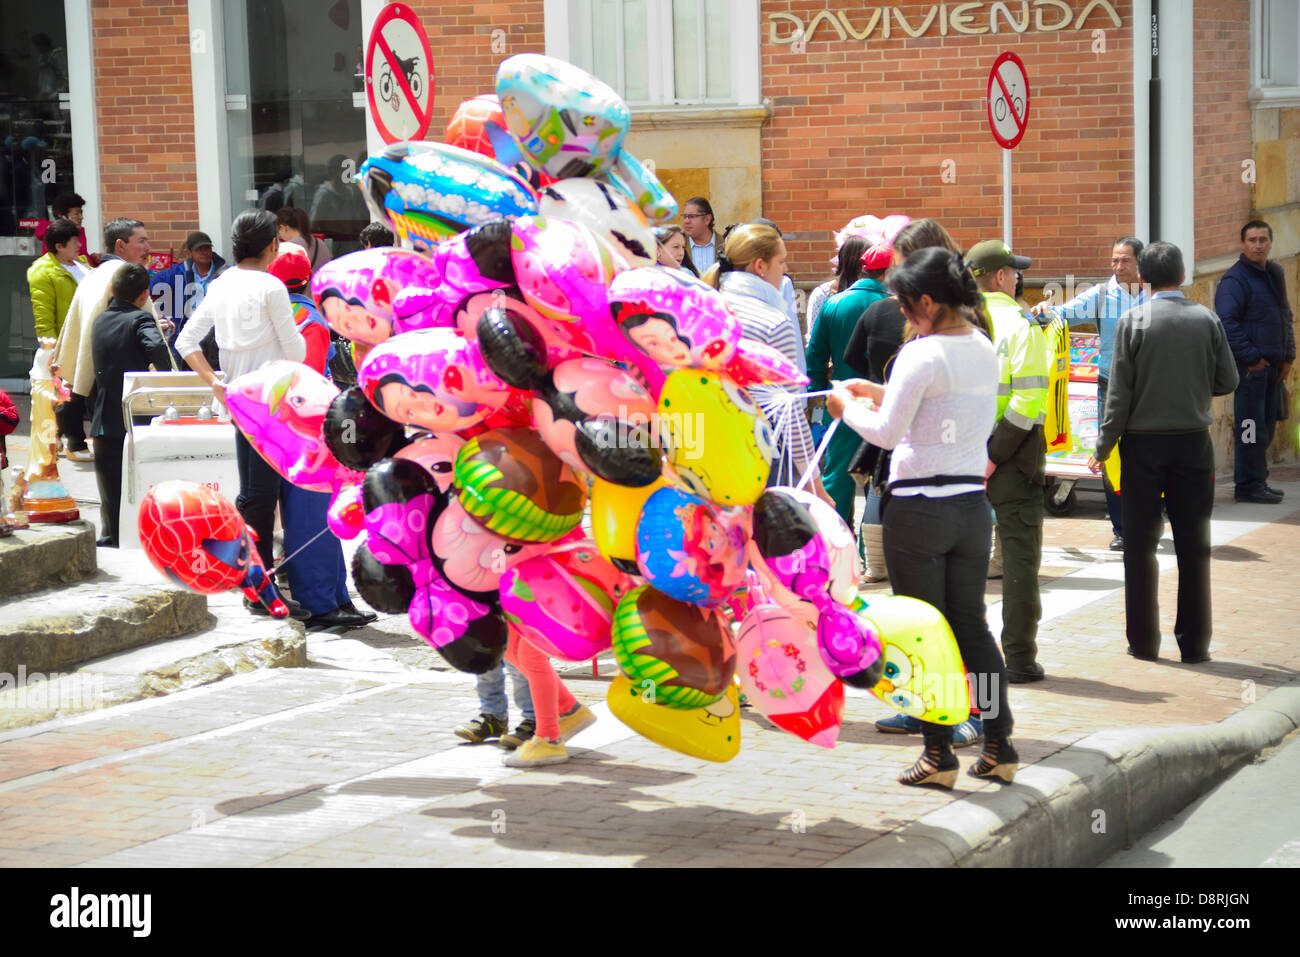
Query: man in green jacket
(1017, 453)
(52, 282)
(826, 344)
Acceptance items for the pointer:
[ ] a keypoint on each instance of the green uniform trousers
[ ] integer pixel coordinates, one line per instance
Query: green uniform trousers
(1018, 503)
(835, 471)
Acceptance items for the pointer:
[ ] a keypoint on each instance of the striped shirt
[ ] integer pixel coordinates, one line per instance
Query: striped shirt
(760, 308)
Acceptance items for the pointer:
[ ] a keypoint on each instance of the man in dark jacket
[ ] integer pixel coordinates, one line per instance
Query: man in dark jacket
(1251, 301)
(124, 338)
(1171, 357)
(180, 288)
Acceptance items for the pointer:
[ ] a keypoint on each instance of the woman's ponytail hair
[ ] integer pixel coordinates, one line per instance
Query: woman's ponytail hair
(939, 273)
(251, 233)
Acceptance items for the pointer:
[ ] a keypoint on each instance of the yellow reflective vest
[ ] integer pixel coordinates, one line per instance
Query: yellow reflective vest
(1024, 361)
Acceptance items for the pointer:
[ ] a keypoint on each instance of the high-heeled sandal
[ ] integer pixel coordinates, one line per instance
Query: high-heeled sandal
(998, 760)
(936, 767)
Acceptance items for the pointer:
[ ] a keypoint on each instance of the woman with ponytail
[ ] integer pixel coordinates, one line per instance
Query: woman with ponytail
(936, 415)
(250, 310)
(748, 273)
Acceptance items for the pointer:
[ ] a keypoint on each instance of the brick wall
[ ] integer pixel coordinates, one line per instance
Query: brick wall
(865, 128)
(144, 105)
(1222, 125)
(468, 43)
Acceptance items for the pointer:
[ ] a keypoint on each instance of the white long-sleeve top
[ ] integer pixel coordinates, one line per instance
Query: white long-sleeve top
(937, 413)
(253, 318)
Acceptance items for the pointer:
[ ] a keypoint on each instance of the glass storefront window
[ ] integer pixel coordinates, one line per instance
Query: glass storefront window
(297, 134)
(35, 160)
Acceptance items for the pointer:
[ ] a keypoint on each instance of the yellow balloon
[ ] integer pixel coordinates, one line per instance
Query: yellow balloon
(614, 511)
(711, 733)
(924, 675)
(716, 438)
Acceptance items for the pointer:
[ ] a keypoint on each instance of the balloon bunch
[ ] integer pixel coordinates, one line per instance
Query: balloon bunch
(551, 434)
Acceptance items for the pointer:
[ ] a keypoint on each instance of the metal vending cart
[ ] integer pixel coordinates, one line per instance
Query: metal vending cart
(176, 444)
(1067, 469)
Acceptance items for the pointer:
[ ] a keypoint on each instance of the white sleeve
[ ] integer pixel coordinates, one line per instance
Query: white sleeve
(280, 311)
(196, 327)
(913, 373)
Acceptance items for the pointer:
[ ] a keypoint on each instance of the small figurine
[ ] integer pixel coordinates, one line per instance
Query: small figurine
(46, 498)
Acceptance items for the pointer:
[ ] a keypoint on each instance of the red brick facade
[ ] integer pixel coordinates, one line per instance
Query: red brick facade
(866, 128)
(1221, 133)
(145, 110)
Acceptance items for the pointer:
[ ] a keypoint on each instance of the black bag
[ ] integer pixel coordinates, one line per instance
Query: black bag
(1283, 402)
(343, 370)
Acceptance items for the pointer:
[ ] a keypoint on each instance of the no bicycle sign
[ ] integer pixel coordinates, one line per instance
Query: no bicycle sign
(1008, 98)
(399, 75)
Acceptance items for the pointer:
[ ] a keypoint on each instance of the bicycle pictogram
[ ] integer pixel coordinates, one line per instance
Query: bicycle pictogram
(1000, 105)
(388, 89)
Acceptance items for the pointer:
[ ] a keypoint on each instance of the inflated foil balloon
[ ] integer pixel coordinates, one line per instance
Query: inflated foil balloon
(198, 539)
(515, 486)
(607, 212)
(757, 363)
(436, 454)
(923, 674)
(564, 272)
(791, 559)
(281, 408)
(467, 127)
(635, 178)
(433, 379)
(567, 122)
(357, 433)
(372, 294)
(717, 440)
(614, 513)
(429, 191)
(689, 550)
(683, 653)
(399, 498)
(711, 733)
(471, 558)
(563, 602)
(784, 677)
(841, 544)
(673, 318)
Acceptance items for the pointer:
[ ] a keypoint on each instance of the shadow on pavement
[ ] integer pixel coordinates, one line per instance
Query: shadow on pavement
(1090, 688)
(1233, 553)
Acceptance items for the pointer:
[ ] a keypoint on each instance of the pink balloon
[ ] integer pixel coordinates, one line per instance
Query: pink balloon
(564, 602)
(841, 544)
(756, 363)
(436, 454)
(373, 294)
(470, 557)
(280, 409)
(782, 673)
(433, 379)
(596, 389)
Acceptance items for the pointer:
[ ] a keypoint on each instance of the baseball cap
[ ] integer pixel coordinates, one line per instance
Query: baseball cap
(991, 255)
(196, 239)
(291, 265)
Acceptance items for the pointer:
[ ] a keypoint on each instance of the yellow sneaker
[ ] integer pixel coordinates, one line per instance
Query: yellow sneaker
(535, 752)
(575, 721)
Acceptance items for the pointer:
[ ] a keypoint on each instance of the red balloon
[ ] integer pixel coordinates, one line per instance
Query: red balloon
(177, 520)
(465, 129)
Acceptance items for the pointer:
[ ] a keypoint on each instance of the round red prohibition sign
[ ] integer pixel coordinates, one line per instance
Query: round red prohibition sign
(399, 75)
(1008, 100)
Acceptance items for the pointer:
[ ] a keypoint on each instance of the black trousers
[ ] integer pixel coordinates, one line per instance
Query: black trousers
(71, 418)
(1181, 467)
(108, 473)
(937, 550)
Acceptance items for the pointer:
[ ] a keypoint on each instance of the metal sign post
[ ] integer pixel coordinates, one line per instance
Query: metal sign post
(1008, 110)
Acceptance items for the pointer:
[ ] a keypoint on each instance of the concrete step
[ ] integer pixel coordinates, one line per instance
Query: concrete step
(45, 556)
(127, 604)
(233, 645)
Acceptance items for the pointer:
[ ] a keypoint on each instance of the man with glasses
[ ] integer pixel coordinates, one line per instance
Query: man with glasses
(697, 223)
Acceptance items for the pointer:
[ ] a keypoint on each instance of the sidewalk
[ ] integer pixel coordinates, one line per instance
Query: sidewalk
(352, 761)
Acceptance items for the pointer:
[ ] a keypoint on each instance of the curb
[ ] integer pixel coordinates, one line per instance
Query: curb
(1081, 804)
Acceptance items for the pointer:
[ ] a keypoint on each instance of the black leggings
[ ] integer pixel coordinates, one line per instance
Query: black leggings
(937, 550)
(259, 493)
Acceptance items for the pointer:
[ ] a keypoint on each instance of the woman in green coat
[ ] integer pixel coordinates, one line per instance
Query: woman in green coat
(52, 279)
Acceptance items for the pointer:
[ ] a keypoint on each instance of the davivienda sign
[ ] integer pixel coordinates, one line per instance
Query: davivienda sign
(943, 19)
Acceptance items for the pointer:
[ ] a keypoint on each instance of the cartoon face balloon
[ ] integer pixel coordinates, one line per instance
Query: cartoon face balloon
(471, 558)
(689, 550)
(177, 520)
(517, 487)
(783, 674)
(607, 212)
(429, 191)
(433, 379)
(369, 295)
(281, 408)
(923, 675)
(683, 651)
(567, 122)
(563, 602)
(841, 544)
(711, 732)
(674, 319)
(717, 440)
(564, 272)
(436, 454)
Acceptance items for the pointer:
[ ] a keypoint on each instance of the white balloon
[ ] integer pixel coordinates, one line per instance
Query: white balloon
(607, 212)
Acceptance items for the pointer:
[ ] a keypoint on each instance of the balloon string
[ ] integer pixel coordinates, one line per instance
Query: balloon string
(817, 456)
(788, 397)
(284, 561)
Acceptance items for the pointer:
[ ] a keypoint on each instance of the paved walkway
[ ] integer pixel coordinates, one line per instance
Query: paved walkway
(352, 761)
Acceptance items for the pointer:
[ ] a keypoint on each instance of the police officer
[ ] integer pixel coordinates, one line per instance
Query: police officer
(1017, 453)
